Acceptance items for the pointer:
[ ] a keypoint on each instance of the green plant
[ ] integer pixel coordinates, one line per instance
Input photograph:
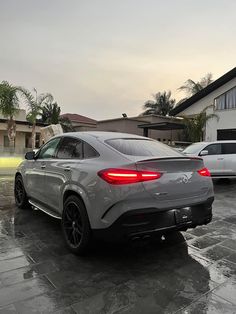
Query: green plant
(9, 106)
(34, 104)
(195, 125)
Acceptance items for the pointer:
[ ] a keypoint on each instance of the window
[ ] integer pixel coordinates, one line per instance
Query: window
(70, 148)
(140, 147)
(213, 149)
(49, 149)
(229, 148)
(6, 141)
(193, 148)
(74, 148)
(226, 100)
(89, 151)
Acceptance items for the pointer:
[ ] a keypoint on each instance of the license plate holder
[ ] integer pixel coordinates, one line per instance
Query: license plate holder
(183, 215)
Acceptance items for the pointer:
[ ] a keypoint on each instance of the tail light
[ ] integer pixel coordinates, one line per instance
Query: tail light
(204, 172)
(125, 176)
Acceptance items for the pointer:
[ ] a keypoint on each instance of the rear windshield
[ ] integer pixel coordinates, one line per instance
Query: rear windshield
(141, 147)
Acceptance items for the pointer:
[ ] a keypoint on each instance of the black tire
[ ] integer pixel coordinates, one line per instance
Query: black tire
(21, 198)
(75, 225)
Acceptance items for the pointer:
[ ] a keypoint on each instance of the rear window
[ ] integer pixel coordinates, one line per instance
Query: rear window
(141, 147)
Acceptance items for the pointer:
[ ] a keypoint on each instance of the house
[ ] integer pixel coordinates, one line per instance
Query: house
(137, 125)
(79, 122)
(220, 98)
(23, 135)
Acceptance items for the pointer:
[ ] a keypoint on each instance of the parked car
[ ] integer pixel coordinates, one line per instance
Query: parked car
(114, 186)
(219, 157)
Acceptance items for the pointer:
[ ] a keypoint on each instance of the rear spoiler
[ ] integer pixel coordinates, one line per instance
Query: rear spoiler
(171, 158)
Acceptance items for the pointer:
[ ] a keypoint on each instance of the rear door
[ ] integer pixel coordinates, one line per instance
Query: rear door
(69, 167)
(214, 161)
(58, 171)
(229, 155)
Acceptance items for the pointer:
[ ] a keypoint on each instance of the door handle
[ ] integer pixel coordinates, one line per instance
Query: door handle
(67, 169)
(43, 166)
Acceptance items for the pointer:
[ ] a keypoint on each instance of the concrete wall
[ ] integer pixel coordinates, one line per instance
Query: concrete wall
(127, 125)
(227, 118)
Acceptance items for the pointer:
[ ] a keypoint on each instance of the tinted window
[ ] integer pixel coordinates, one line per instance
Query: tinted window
(229, 148)
(49, 149)
(89, 151)
(139, 147)
(213, 149)
(70, 148)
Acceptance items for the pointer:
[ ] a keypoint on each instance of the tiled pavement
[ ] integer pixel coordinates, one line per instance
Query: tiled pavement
(193, 272)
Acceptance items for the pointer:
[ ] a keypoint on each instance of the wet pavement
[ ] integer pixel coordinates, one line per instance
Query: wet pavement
(191, 272)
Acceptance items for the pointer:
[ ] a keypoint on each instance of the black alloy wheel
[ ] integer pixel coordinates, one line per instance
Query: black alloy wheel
(21, 198)
(75, 225)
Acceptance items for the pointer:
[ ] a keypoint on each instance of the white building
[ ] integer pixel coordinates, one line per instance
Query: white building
(221, 97)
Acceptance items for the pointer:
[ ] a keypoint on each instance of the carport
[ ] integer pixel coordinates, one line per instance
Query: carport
(162, 126)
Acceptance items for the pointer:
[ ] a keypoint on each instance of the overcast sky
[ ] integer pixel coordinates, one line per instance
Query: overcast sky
(101, 58)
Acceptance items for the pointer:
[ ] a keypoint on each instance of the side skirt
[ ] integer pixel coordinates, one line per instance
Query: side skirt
(45, 210)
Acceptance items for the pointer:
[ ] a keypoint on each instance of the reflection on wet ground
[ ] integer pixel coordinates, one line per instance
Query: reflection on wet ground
(192, 272)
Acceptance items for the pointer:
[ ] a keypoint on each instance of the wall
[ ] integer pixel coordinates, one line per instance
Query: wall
(226, 118)
(21, 130)
(129, 125)
(20, 116)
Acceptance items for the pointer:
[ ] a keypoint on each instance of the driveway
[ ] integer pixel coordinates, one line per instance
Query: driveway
(192, 272)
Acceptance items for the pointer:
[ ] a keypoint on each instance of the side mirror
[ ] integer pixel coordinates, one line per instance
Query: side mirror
(203, 153)
(30, 155)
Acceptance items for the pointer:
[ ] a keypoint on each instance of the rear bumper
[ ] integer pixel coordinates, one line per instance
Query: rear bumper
(138, 223)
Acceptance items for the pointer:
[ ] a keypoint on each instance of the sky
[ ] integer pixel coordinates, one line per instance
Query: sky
(102, 58)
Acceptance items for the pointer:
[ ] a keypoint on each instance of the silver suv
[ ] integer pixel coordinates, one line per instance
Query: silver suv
(114, 186)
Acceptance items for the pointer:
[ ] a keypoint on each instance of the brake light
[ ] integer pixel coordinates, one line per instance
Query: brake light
(204, 172)
(125, 176)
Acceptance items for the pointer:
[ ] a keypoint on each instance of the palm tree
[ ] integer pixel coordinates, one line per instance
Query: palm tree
(191, 87)
(195, 125)
(9, 106)
(161, 105)
(51, 114)
(34, 104)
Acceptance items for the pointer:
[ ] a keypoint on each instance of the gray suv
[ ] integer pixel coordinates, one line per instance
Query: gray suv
(114, 186)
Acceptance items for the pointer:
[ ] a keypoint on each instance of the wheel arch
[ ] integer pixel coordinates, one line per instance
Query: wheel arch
(69, 192)
(18, 174)
(80, 195)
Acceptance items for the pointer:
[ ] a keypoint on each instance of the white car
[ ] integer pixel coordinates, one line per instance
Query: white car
(219, 157)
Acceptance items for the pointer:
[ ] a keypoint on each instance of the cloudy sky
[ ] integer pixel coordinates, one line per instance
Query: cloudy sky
(101, 58)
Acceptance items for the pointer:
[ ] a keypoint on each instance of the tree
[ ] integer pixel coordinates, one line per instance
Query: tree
(9, 106)
(161, 105)
(191, 87)
(195, 125)
(51, 114)
(34, 104)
